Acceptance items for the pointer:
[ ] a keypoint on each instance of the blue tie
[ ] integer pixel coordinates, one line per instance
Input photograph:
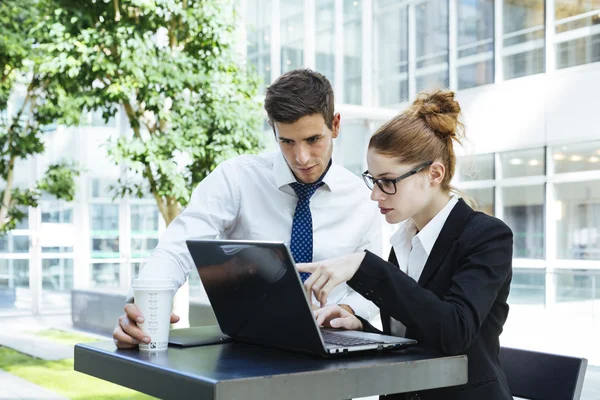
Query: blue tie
(301, 244)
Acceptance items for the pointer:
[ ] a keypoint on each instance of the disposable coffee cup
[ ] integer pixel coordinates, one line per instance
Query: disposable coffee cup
(154, 299)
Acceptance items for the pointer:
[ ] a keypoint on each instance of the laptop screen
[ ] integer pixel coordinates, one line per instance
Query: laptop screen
(256, 293)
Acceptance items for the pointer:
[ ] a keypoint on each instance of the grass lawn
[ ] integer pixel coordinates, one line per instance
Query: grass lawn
(59, 376)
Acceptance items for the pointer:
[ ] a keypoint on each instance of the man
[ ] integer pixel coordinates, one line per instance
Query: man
(297, 196)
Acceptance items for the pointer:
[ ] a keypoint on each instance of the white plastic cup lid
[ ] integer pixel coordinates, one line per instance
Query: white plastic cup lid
(153, 284)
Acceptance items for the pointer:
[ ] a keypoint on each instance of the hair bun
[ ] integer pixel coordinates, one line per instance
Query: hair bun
(440, 111)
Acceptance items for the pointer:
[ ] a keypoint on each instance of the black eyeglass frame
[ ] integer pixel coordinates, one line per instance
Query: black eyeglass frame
(371, 182)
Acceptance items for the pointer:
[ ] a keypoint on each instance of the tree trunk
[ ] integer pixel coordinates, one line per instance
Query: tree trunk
(7, 198)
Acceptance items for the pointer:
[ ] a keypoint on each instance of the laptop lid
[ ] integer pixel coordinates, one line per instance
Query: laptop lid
(256, 293)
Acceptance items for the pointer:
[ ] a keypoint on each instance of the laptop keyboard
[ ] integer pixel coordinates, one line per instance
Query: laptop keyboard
(345, 341)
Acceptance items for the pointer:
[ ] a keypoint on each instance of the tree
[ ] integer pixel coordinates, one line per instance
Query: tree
(171, 66)
(21, 132)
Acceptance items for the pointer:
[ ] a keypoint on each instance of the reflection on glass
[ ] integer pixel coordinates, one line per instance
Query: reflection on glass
(484, 199)
(577, 285)
(528, 286)
(392, 54)
(144, 218)
(57, 274)
(353, 52)
(14, 244)
(105, 275)
(325, 43)
(292, 34)
(523, 38)
(576, 157)
(475, 61)
(530, 162)
(432, 44)
(56, 211)
(105, 217)
(141, 247)
(258, 36)
(578, 220)
(475, 168)
(524, 214)
(14, 285)
(582, 44)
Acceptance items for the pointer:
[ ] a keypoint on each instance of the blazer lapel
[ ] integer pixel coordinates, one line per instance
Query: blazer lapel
(450, 231)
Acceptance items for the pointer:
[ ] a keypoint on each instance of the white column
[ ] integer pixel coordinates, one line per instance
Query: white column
(81, 220)
(550, 231)
(35, 247)
(452, 44)
(367, 54)
(338, 67)
(412, 52)
(309, 34)
(498, 41)
(275, 42)
(498, 202)
(549, 35)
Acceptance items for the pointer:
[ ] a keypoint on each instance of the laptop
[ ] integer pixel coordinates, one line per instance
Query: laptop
(258, 298)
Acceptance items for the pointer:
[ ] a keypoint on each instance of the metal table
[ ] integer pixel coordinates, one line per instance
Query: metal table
(238, 371)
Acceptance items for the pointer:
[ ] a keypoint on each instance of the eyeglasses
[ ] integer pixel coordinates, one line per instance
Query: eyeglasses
(388, 186)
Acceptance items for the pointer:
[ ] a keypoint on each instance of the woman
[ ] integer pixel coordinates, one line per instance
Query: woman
(449, 271)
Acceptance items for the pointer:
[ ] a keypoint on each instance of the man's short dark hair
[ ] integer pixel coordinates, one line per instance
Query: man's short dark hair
(299, 93)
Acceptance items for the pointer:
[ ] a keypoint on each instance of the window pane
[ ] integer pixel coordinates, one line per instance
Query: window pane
(14, 285)
(392, 55)
(528, 286)
(351, 151)
(523, 38)
(524, 214)
(325, 43)
(56, 211)
(135, 269)
(105, 275)
(105, 217)
(57, 274)
(57, 282)
(20, 244)
(475, 168)
(578, 220)
(105, 247)
(475, 60)
(432, 44)
(484, 199)
(100, 188)
(291, 30)
(523, 163)
(577, 157)
(141, 247)
(352, 52)
(580, 19)
(258, 36)
(577, 285)
(144, 218)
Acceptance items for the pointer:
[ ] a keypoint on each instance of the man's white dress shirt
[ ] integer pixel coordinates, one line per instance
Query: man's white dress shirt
(412, 249)
(250, 198)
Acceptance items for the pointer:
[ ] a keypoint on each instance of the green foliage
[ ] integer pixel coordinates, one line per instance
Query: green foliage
(59, 180)
(26, 71)
(172, 66)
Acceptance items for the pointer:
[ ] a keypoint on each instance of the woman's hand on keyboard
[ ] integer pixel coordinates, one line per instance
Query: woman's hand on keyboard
(334, 316)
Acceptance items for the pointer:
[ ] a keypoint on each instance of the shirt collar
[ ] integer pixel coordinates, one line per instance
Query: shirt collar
(284, 176)
(430, 232)
(407, 231)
